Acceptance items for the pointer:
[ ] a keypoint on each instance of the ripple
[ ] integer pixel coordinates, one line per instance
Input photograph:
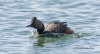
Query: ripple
(83, 15)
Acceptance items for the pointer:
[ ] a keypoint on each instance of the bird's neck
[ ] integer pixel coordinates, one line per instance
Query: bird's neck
(41, 31)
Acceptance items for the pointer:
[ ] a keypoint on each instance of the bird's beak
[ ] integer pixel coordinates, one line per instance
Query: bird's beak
(28, 26)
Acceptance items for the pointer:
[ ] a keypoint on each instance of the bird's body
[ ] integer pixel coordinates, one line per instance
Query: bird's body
(51, 27)
(56, 26)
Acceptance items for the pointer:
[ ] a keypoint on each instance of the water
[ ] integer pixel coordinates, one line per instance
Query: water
(81, 15)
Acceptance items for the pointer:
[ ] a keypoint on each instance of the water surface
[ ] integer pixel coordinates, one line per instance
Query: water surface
(81, 15)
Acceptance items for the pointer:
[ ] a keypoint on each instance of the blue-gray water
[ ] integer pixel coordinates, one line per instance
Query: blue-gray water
(83, 15)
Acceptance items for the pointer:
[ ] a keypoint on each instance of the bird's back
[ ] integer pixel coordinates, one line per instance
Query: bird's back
(56, 27)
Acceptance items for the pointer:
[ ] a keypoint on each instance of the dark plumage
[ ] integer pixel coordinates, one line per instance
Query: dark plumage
(56, 26)
(51, 27)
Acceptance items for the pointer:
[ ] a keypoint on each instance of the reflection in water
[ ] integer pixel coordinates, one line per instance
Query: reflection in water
(40, 41)
(45, 44)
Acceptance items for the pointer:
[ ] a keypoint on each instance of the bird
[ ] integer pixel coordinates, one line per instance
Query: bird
(51, 27)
